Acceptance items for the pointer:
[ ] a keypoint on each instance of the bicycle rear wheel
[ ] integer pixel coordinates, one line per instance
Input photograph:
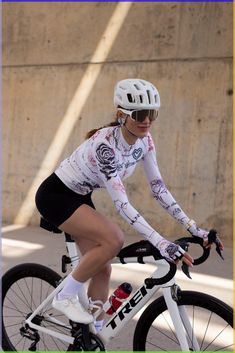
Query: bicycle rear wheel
(211, 321)
(24, 287)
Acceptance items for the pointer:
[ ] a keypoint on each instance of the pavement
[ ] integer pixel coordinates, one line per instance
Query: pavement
(33, 244)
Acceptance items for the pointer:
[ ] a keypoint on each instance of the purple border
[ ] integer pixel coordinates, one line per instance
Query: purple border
(174, 1)
(1, 263)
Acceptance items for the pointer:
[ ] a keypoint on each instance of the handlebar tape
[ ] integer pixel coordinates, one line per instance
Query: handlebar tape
(151, 282)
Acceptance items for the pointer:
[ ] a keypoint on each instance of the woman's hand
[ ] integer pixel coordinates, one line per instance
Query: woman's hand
(202, 233)
(173, 252)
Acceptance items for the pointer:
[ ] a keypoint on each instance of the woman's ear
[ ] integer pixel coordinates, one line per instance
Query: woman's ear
(120, 114)
(121, 117)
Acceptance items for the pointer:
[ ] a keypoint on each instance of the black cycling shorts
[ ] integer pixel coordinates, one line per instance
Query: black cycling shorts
(56, 202)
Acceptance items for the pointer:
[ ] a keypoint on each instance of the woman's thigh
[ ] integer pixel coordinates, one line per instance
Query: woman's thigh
(84, 245)
(87, 223)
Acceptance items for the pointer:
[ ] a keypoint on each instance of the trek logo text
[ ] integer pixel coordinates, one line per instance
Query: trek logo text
(128, 307)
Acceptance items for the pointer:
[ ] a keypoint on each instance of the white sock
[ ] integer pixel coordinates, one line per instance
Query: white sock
(82, 294)
(98, 325)
(71, 288)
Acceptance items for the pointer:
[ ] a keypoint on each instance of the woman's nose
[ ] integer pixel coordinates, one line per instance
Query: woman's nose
(147, 120)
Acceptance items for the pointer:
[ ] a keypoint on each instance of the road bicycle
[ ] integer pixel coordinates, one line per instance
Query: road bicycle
(176, 321)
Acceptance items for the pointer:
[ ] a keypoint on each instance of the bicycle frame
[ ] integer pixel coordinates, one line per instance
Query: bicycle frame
(128, 310)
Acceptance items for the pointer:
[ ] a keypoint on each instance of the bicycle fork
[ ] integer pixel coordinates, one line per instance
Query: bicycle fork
(180, 320)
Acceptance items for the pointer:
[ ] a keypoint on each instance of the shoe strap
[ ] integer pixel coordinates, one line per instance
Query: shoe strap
(95, 304)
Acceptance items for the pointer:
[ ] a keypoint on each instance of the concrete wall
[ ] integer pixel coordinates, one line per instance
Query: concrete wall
(185, 49)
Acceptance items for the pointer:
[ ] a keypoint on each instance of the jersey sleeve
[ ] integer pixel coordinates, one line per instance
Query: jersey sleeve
(107, 170)
(158, 187)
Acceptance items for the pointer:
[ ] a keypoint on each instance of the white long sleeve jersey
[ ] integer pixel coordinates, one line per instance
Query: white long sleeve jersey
(104, 160)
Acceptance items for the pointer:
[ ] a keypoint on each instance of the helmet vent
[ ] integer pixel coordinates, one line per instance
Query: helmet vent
(148, 93)
(130, 98)
(137, 87)
(141, 98)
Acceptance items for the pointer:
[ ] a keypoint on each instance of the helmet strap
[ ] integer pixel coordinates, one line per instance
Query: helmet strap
(122, 122)
(131, 133)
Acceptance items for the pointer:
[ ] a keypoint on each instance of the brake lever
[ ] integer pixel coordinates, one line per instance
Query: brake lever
(213, 238)
(218, 250)
(185, 268)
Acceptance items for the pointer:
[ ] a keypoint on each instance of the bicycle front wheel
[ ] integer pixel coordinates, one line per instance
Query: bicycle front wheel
(211, 323)
(24, 287)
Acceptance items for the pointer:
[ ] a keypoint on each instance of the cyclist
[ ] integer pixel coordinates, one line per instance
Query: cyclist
(108, 156)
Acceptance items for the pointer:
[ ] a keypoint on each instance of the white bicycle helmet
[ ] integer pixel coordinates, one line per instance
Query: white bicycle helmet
(136, 94)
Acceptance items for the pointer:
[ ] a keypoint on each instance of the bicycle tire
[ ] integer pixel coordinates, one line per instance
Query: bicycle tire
(154, 330)
(24, 287)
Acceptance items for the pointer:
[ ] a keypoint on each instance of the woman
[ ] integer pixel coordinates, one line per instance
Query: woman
(108, 156)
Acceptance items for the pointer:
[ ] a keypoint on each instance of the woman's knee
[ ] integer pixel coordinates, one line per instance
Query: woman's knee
(116, 241)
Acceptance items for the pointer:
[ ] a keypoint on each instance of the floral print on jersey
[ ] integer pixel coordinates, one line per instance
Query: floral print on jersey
(165, 199)
(159, 189)
(106, 160)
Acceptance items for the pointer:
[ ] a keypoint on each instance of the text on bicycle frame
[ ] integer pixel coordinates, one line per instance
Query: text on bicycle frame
(127, 308)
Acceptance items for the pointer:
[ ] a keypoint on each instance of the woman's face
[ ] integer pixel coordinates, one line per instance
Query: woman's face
(139, 129)
(132, 129)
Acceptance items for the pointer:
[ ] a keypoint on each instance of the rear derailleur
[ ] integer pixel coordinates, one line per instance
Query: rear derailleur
(32, 335)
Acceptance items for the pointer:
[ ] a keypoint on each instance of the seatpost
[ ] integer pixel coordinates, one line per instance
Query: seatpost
(72, 250)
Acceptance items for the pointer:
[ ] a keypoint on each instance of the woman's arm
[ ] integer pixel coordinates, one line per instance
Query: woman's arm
(163, 195)
(105, 159)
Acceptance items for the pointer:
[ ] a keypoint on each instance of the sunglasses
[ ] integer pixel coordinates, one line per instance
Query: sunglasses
(140, 115)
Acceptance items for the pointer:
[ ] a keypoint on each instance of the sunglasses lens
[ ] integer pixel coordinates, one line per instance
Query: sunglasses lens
(140, 115)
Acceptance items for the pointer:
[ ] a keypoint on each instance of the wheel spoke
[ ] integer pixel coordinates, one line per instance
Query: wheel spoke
(154, 345)
(24, 289)
(216, 337)
(44, 342)
(15, 309)
(21, 338)
(225, 347)
(15, 324)
(16, 295)
(164, 334)
(204, 337)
